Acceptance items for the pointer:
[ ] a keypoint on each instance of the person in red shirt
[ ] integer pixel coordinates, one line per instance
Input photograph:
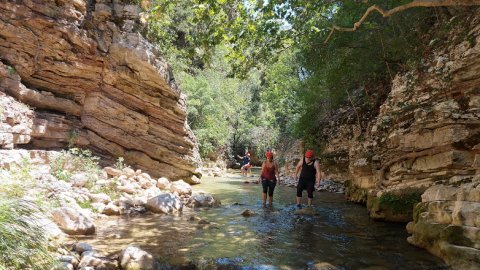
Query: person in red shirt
(269, 177)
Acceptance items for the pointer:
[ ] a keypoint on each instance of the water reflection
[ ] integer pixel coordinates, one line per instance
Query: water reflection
(340, 235)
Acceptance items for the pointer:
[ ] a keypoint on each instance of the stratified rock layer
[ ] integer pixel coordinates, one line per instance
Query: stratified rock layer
(94, 82)
(424, 140)
(447, 223)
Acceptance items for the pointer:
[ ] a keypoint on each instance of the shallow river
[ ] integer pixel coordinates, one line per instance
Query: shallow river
(341, 234)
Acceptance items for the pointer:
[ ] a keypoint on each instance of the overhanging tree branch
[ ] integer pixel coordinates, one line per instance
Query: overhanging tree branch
(390, 12)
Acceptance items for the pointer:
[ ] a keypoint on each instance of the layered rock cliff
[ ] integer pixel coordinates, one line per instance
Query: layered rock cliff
(423, 146)
(93, 82)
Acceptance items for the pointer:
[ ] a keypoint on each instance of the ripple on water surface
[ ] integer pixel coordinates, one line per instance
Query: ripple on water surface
(340, 235)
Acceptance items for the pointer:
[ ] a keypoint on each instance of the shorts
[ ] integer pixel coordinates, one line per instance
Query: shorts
(268, 186)
(308, 184)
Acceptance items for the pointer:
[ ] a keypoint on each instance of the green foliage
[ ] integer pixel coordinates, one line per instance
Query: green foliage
(22, 171)
(218, 106)
(119, 164)
(72, 138)
(23, 244)
(281, 91)
(85, 204)
(19, 180)
(72, 161)
(11, 70)
(352, 60)
(255, 71)
(187, 31)
(376, 52)
(403, 202)
(355, 193)
(110, 189)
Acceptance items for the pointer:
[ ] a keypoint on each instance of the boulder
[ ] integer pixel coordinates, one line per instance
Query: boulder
(134, 258)
(164, 203)
(181, 187)
(202, 199)
(72, 221)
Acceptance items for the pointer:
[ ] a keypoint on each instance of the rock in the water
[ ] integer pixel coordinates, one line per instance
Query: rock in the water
(134, 258)
(248, 213)
(308, 211)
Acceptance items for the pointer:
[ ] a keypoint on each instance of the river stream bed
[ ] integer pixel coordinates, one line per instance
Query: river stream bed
(340, 235)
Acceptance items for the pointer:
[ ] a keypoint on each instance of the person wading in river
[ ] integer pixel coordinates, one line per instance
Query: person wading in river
(269, 177)
(245, 169)
(310, 174)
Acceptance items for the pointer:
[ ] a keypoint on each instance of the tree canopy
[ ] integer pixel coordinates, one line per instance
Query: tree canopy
(257, 70)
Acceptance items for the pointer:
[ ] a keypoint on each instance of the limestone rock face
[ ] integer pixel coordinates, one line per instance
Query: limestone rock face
(16, 120)
(421, 144)
(94, 82)
(447, 223)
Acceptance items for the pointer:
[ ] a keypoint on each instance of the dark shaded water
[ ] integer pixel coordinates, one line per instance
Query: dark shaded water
(341, 234)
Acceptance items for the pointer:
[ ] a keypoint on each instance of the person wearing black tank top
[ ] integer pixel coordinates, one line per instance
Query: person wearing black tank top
(310, 175)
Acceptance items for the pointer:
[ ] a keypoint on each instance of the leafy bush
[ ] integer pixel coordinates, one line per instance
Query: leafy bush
(23, 244)
(401, 202)
(72, 161)
(109, 189)
(11, 70)
(17, 179)
(85, 204)
(119, 164)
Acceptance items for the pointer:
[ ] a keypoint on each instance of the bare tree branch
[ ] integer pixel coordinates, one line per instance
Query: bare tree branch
(390, 12)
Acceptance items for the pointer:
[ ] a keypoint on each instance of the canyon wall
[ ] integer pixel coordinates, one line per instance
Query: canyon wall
(410, 151)
(92, 81)
(418, 158)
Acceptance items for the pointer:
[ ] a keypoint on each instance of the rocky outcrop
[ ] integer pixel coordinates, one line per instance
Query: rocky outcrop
(423, 146)
(428, 130)
(94, 82)
(447, 223)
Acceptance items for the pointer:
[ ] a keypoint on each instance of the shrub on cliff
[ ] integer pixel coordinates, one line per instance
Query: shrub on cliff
(73, 161)
(402, 202)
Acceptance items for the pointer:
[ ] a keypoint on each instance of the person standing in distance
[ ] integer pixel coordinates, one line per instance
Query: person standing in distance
(310, 174)
(245, 169)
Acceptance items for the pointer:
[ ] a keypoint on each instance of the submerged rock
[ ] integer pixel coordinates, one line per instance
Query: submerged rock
(248, 213)
(309, 211)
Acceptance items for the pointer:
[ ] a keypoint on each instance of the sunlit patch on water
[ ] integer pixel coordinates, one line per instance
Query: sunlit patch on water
(340, 234)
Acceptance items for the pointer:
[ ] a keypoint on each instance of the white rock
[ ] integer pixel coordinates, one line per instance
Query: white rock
(202, 199)
(164, 203)
(112, 171)
(163, 183)
(181, 187)
(72, 221)
(100, 198)
(133, 258)
(112, 210)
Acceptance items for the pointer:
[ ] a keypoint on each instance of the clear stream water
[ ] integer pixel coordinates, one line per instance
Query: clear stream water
(341, 234)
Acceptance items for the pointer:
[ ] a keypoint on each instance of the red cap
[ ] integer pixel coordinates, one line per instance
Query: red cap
(269, 155)
(309, 153)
